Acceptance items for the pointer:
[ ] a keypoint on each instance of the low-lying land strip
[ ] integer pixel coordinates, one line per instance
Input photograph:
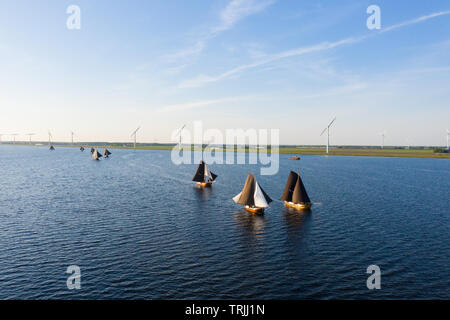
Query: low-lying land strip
(413, 152)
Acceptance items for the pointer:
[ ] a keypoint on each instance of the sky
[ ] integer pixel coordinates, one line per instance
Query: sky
(265, 64)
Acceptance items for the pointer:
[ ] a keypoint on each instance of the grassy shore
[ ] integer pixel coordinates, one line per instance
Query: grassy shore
(289, 150)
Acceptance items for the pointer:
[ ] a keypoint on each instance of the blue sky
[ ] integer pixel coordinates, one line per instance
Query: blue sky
(291, 65)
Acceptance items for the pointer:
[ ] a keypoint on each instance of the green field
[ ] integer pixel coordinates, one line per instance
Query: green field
(422, 152)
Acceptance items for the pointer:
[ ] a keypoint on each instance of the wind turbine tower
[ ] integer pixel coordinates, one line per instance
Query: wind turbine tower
(448, 134)
(179, 133)
(383, 135)
(1, 134)
(327, 129)
(134, 135)
(49, 138)
(30, 135)
(14, 137)
(72, 134)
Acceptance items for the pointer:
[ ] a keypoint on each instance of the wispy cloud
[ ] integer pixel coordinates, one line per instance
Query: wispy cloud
(205, 79)
(197, 104)
(235, 11)
(414, 21)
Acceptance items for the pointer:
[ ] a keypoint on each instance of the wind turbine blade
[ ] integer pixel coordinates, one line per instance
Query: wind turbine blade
(324, 130)
(332, 122)
(179, 130)
(134, 132)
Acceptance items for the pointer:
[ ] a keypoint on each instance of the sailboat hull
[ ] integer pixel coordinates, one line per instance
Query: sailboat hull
(255, 210)
(204, 184)
(298, 206)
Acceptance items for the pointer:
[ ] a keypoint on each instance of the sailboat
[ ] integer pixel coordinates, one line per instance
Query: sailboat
(204, 177)
(252, 196)
(96, 155)
(92, 150)
(294, 194)
(106, 153)
(81, 149)
(52, 148)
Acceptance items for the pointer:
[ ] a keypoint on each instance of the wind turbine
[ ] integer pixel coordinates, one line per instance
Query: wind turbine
(383, 134)
(49, 138)
(448, 134)
(327, 129)
(179, 133)
(14, 137)
(72, 134)
(134, 135)
(30, 134)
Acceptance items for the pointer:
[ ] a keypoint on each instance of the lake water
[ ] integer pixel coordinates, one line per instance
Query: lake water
(139, 229)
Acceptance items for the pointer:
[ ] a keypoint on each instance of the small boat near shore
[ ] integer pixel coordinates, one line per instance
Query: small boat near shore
(294, 194)
(294, 158)
(81, 149)
(52, 148)
(253, 197)
(204, 177)
(106, 153)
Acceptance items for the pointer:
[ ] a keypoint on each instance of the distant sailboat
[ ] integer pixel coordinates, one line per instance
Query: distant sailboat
(294, 194)
(252, 196)
(96, 155)
(92, 150)
(204, 177)
(106, 153)
(81, 149)
(52, 148)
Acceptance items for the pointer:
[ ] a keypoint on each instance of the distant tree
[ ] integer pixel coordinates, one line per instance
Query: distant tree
(439, 150)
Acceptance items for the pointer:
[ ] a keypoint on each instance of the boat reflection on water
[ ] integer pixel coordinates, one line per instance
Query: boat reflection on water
(297, 226)
(202, 194)
(296, 220)
(251, 224)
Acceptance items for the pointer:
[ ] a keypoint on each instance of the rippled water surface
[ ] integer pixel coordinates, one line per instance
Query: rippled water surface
(138, 228)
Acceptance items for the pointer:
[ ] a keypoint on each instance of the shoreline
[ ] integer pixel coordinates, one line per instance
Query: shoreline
(286, 150)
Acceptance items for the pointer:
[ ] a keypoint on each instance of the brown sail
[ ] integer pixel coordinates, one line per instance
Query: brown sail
(290, 186)
(247, 193)
(200, 174)
(300, 195)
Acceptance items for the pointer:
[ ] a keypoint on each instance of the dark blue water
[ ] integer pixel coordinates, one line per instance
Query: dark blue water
(138, 228)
